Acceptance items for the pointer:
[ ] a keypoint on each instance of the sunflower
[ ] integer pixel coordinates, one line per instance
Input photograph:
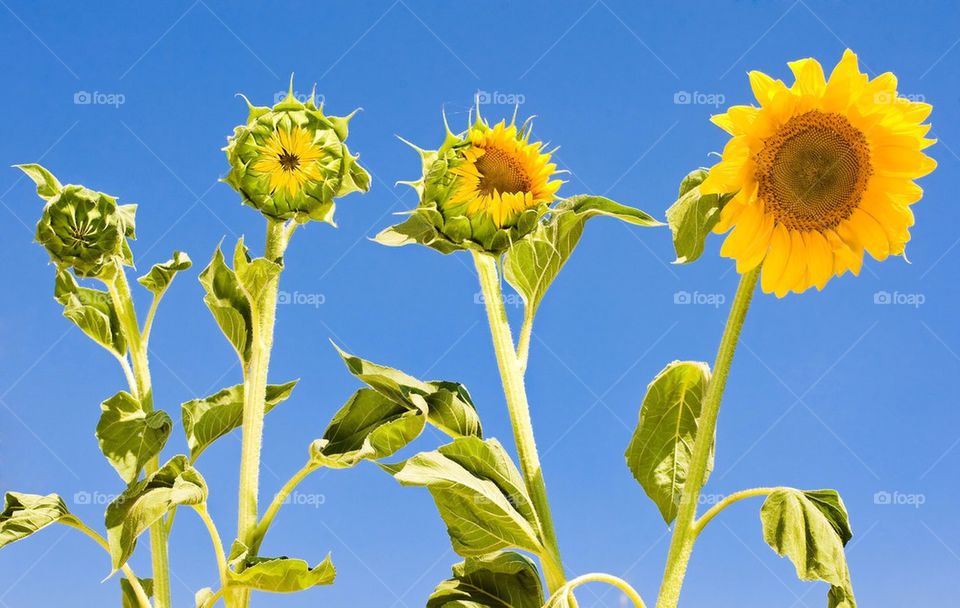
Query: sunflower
(290, 158)
(822, 171)
(503, 174)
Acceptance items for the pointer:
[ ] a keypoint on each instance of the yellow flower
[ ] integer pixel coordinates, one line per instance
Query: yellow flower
(502, 174)
(290, 158)
(823, 170)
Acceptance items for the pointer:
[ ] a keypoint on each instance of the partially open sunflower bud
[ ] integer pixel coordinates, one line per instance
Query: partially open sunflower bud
(80, 228)
(482, 189)
(290, 161)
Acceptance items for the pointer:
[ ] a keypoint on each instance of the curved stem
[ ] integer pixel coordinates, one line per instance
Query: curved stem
(600, 577)
(142, 389)
(142, 598)
(684, 535)
(278, 500)
(523, 342)
(511, 375)
(217, 543)
(713, 511)
(148, 323)
(212, 600)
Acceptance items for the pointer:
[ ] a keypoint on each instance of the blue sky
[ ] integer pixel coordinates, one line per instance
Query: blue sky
(828, 390)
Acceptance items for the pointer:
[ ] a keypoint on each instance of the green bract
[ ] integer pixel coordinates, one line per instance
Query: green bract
(442, 224)
(321, 166)
(81, 228)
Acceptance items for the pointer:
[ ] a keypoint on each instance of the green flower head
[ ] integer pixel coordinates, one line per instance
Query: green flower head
(291, 161)
(481, 189)
(80, 228)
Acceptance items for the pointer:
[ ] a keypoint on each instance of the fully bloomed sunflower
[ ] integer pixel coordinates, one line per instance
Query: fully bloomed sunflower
(822, 171)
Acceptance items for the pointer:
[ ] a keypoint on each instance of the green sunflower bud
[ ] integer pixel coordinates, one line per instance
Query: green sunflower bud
(482, 189)
(80, 228)
(290, 161)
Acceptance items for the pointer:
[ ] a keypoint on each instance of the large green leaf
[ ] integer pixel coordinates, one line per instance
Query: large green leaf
(693, 216)
(662, 445)
(146, 501)
(129, 436)
(24, 514)
(228, 302)
(531, 264)
(92, 311)
(480, 495)
(369, 426)
(810, 529)
(277, 574)
(47, 184)
(448, 404)
(504, 579)
(128, 597)
(206, 420)
(161, 275)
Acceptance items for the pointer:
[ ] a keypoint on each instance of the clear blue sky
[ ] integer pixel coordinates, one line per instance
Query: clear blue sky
(829, 389)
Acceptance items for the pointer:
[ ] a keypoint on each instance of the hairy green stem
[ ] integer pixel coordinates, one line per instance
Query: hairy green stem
(263, 313)
(279, 498)
(713, 511)
(511, 374)
(142, 598)
(220, 556)
(142, 389)
(684, 531)
(600, 577)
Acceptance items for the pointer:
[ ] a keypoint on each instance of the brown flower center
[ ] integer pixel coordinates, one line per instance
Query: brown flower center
(501, 172)
(288, 161)
(813, 171)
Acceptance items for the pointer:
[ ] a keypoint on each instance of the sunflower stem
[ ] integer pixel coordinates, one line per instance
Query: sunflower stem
(685, 527)
(511, 374)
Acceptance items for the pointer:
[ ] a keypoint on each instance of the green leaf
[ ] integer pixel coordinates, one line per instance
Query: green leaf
(448, 404)
(147, 501)
(161, 275)
(206, 420)
(662, 445)
(498, 580)
(24, 514)
(480, 495)
(129, 597)
(277, 574)
(92, 311)
(228, 302)
(129, 435)
(693, 216)
(253, 275)
(369, 426)
(47, 185)
(531, 264)
(809, 528)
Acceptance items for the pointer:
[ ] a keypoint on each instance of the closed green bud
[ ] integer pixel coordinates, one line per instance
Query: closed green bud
(291, 161)
(80, 228)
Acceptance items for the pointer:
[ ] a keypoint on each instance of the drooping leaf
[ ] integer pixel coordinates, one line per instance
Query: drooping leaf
(228, 302)
(277, 574)
(369, 426)
(480, 495)
(503, 579)
(206, 420)
(693, 216)
(129, 597)
(146, 501)
(810, 531)
(129, 436)
(24, 514)
(161, 275)
(662, 445)
(253, 275)
(92, 311)
(47, 184)
(531, 264)
(448, 404)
